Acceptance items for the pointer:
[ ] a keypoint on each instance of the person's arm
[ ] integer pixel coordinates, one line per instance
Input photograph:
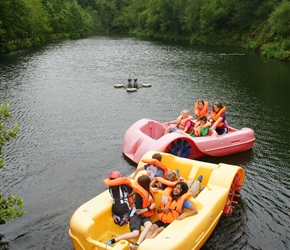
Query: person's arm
(196, 124)
(146, 209)
(153, 182)
(163, 209)
(172, 122)
(192, 211)
(206, 125)
(216, 123)
(187, 125)
(137, 171)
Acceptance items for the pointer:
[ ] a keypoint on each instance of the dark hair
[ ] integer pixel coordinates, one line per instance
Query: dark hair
(144, 181)
(203, 118)
(184, 189)
(218, 104)
(157, 156)
(200, 100)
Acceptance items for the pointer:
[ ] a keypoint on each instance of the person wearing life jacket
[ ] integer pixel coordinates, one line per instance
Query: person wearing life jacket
(200, 109)
(218, 115)
(202, 127)
(122, 193)
(182, 123)
(171, 208)
(144, 208)
(154, 168)
(169, 179)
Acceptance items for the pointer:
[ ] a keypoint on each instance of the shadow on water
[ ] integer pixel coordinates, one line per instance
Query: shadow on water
(129, 161)
(4, 245)
(242, 159)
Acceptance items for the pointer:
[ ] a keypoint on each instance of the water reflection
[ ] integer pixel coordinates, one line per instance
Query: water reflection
(73, 121)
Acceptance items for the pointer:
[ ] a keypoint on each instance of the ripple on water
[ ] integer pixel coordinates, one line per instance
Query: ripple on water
(73, 121)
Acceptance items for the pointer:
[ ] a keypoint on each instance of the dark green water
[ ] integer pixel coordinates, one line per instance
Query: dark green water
(73, 121)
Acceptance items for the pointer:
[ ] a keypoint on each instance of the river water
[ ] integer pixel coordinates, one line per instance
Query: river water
(73, 120)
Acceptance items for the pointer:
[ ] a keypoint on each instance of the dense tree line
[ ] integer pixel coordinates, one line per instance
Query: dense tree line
(261, 25)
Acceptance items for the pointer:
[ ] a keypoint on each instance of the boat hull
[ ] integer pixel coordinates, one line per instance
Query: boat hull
(147, 134)
(92, 224)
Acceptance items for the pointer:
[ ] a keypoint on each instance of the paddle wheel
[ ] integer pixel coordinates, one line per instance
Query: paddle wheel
(181, 147)
(233, 192)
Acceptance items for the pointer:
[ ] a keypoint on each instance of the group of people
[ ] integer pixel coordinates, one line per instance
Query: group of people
(206, 120)
(175, 194)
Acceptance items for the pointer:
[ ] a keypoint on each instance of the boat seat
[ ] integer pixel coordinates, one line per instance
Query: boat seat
(153, 129)
(201, 168)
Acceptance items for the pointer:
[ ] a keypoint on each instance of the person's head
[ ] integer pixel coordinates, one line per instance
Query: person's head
(114, 175)
(179, 189)
(185, 113)
(217, 106)
(157, 156)
(200, 104)
(144, 181)
(203, 120)
(171, 176)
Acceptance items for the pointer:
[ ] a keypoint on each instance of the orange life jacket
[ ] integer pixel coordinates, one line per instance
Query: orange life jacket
(119, 182)
(166, 182)
(182, 121)
(175, 206)
(217, 115)
(203, 111)
(157, 163)
(145, 198)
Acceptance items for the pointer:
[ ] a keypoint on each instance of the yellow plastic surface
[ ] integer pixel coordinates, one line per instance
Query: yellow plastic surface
(92, 224)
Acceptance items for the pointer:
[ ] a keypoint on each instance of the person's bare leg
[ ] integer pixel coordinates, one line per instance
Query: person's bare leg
(158, 231)
(127, 236)
(152, 229)
(167, 130)
(142, 236)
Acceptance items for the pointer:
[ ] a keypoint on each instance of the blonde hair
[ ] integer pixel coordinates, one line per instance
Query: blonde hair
(170, 176)
(184, 111)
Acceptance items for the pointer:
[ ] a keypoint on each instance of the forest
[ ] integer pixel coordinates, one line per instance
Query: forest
(259, 25)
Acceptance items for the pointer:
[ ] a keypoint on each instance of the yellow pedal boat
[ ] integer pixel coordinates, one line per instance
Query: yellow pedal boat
(92, 224)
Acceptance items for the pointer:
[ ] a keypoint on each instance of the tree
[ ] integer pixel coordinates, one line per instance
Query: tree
(10, 207)
(279, 20)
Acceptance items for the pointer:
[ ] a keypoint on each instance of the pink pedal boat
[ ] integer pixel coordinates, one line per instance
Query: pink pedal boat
(147, 134)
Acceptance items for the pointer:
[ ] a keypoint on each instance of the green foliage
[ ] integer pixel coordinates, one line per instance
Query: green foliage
(279, 20)
(14, 17)
(5, 135)
(277, 50)
(26, 22)
(38, 18)
(245, 23)
(10, 207)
